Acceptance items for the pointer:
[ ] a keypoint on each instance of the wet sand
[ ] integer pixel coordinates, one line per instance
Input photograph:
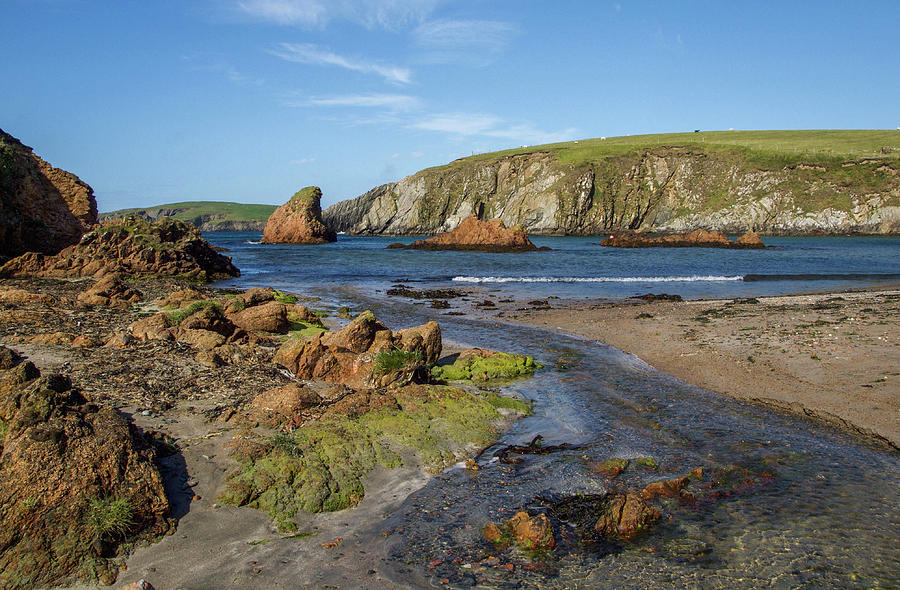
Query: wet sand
(832, 356)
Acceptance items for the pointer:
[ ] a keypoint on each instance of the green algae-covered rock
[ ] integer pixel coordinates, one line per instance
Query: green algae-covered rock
(484, 365)
(320, 466)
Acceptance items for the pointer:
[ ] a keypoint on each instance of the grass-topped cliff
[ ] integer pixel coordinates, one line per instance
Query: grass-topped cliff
(829, 181)
(206, 215)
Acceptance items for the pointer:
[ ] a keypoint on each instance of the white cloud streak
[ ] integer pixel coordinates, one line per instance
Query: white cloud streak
(393, 102)
(448, 39)
(308, 53)
(385, 14)
(484, 125)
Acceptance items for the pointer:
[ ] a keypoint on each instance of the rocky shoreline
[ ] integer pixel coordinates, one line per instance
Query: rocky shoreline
(197, 367)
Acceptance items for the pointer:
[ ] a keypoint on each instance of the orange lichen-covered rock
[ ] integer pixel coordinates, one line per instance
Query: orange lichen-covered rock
(299, 221)
(474, 234)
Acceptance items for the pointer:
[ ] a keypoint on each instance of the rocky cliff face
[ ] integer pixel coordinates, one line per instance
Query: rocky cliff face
(299, 221)
(42, 208)
(662, 189)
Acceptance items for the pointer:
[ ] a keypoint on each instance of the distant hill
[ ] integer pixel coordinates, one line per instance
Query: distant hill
(775, 182)
(206, 215)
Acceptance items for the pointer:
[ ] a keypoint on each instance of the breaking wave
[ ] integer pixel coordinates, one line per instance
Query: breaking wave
(688, 279)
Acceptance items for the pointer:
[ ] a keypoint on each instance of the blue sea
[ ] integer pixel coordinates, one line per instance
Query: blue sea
(575, 267)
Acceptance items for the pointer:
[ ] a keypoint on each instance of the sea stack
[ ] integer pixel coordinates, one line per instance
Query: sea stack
(42, 208)
(299, 221)
(474, 234)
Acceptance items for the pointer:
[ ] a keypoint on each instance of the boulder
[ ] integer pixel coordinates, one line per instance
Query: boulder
(110, 291)
(699, 238)
(181, 298)
(155, 327)
(266, 317)
(531, 532)
(625, 516)
(474, 234)
(208, 317)
(750, 239)
(299, 221)
(78, 483)
(275, 406)
(669, 488)
(364, 353)
(132, 247)
(42, 208)
(14, 295)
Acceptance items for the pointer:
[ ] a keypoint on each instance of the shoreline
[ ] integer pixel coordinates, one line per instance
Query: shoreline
(830, 356)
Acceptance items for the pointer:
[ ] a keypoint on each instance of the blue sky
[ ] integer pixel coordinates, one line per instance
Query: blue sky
(250, 100)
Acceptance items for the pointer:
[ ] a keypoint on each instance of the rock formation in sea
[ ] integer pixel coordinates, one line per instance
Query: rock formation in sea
(477, 235)
(130, 246)
(42, 208)
(299, 221)
(652, 188)
(699, 238)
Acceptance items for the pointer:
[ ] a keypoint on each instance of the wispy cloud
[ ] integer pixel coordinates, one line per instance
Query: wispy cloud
(485, 125)
(393, 102)
(469, 41)
(308, 53)
(202, 63)
(301, 161)
(386, 14)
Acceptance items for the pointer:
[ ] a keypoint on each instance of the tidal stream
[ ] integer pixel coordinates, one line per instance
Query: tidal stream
(814, 507)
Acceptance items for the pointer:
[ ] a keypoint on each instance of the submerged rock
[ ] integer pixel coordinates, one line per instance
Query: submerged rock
(479, 364)
(78, 483)
(299, 221)
(699, 238)
(131, 247)
(625, 516)
(474, 234)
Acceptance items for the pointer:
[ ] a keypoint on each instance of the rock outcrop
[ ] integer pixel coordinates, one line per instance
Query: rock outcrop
(42, 208)
(364, 353)
(131, 246)
(658, 188)
(299, 221)
(78, 483)
(699, 238)
(476, 235)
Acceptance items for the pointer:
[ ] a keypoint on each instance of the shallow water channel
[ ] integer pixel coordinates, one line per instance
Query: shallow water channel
(817, 508)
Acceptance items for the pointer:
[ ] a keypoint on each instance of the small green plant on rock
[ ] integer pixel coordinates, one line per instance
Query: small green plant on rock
(110, 517)
(395, 359)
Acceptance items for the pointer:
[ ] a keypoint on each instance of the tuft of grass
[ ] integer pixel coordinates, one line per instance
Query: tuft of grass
(110, 517)
(395, 359)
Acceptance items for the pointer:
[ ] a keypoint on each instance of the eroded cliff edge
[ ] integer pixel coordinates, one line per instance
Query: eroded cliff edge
(673, 188)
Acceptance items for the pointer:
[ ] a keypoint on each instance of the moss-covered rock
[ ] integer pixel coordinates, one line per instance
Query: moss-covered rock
(320, 465)
(485, 365)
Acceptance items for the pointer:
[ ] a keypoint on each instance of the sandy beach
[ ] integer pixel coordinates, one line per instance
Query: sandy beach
(832, 356)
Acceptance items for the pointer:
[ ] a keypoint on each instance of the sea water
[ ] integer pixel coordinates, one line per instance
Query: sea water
(573, 267)
(827, 515)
